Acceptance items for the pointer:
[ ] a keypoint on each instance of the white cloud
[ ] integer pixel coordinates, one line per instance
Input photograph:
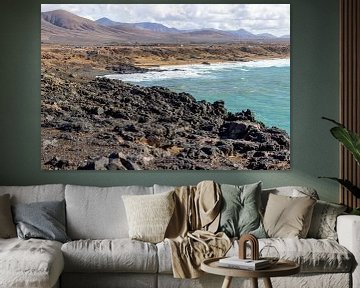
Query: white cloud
(256, 18)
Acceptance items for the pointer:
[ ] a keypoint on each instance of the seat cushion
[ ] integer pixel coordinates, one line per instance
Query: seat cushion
(30, 263)
(117, 255)
(98, 213)
(313, 255)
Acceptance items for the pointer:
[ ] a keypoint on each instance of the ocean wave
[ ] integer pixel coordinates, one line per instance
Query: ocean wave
(197, 70)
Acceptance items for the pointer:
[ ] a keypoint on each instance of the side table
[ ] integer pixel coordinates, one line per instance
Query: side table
(281, 268)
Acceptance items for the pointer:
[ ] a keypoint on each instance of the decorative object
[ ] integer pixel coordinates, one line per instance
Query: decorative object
(269, 252)
(254, 246)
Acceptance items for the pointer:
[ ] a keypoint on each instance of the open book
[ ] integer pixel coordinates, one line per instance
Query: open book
(236, 262)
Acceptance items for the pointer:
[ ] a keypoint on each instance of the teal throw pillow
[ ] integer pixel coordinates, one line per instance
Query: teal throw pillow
(240, 213)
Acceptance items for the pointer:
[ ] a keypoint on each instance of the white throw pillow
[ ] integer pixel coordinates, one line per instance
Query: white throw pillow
(149, 215)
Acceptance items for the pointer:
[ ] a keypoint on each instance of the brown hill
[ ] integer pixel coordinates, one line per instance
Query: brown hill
(63, 27)
(67, 20)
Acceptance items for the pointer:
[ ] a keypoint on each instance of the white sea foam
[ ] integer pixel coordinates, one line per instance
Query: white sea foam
(197, 70)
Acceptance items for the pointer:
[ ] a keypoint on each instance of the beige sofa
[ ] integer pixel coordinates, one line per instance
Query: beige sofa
(101, 254)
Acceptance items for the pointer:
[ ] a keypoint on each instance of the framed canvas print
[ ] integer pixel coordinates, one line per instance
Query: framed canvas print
(165, 86)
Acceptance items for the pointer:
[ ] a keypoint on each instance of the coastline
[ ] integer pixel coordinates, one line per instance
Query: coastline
(90, 61)
(103, 124)
(192, 77)
(166, 64)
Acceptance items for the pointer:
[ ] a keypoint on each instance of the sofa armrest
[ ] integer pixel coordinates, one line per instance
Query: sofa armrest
(348, 230)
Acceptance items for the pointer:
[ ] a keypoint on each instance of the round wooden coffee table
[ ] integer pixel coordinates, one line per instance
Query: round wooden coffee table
(281, 268)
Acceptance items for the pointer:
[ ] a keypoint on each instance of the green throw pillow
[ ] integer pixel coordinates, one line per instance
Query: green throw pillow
(240, 213)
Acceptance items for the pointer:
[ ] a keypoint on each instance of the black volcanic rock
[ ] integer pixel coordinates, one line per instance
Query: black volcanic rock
(105, 124)
(122, 68)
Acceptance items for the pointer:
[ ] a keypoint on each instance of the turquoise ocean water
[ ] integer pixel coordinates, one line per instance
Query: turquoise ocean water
(261, 86)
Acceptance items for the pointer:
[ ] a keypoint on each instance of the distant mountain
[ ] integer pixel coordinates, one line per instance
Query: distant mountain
(285, 37)
(67, 20)
(243, 34)
(63, 27)
(156, 27)
(106, 22)
(265, 36)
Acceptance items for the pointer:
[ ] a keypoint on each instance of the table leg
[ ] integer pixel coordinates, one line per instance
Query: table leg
(227, 282)
(254, 282)
(267, 283)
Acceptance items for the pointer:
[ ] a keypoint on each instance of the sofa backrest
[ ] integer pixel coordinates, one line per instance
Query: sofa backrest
(35, 193)
(98, 212)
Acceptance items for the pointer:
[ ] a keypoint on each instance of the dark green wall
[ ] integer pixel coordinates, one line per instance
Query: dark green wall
(314, 93)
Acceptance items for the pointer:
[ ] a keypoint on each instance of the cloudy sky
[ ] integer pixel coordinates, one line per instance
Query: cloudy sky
(256, 18)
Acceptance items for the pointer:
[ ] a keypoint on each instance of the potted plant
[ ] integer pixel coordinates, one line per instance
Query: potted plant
(351, 141)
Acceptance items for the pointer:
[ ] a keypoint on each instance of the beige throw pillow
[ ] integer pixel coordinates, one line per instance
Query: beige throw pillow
(7, 226)
(148, 215)
(288, 217)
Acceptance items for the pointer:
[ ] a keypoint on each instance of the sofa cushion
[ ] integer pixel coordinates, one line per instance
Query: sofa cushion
(7, 226)
(117, 255)
(287, 216)
(149, 215)
(98, 213)
(35, 193)
(323, 222)
(313, 255)
(30, 263)
(291, 191)
(43, 220)
(240, 212)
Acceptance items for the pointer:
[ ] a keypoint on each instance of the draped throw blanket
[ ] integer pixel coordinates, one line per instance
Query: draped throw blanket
(191, 231)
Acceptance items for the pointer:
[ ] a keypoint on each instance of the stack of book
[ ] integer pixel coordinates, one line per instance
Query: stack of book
(248, 264)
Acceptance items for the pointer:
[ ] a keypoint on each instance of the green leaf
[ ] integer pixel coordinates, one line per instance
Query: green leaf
(347, 184)
(349, 139)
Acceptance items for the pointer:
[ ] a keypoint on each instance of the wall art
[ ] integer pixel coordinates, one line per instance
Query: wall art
(165, 86)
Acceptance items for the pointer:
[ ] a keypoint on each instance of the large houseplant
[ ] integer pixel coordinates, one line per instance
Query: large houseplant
(351, 141)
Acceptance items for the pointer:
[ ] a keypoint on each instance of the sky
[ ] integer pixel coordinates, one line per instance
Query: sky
(255, 18)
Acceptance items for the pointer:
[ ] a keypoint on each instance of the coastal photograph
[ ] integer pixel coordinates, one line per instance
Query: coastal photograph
(165, 86)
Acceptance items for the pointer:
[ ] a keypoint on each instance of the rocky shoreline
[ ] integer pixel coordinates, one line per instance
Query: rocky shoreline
(103, 124)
